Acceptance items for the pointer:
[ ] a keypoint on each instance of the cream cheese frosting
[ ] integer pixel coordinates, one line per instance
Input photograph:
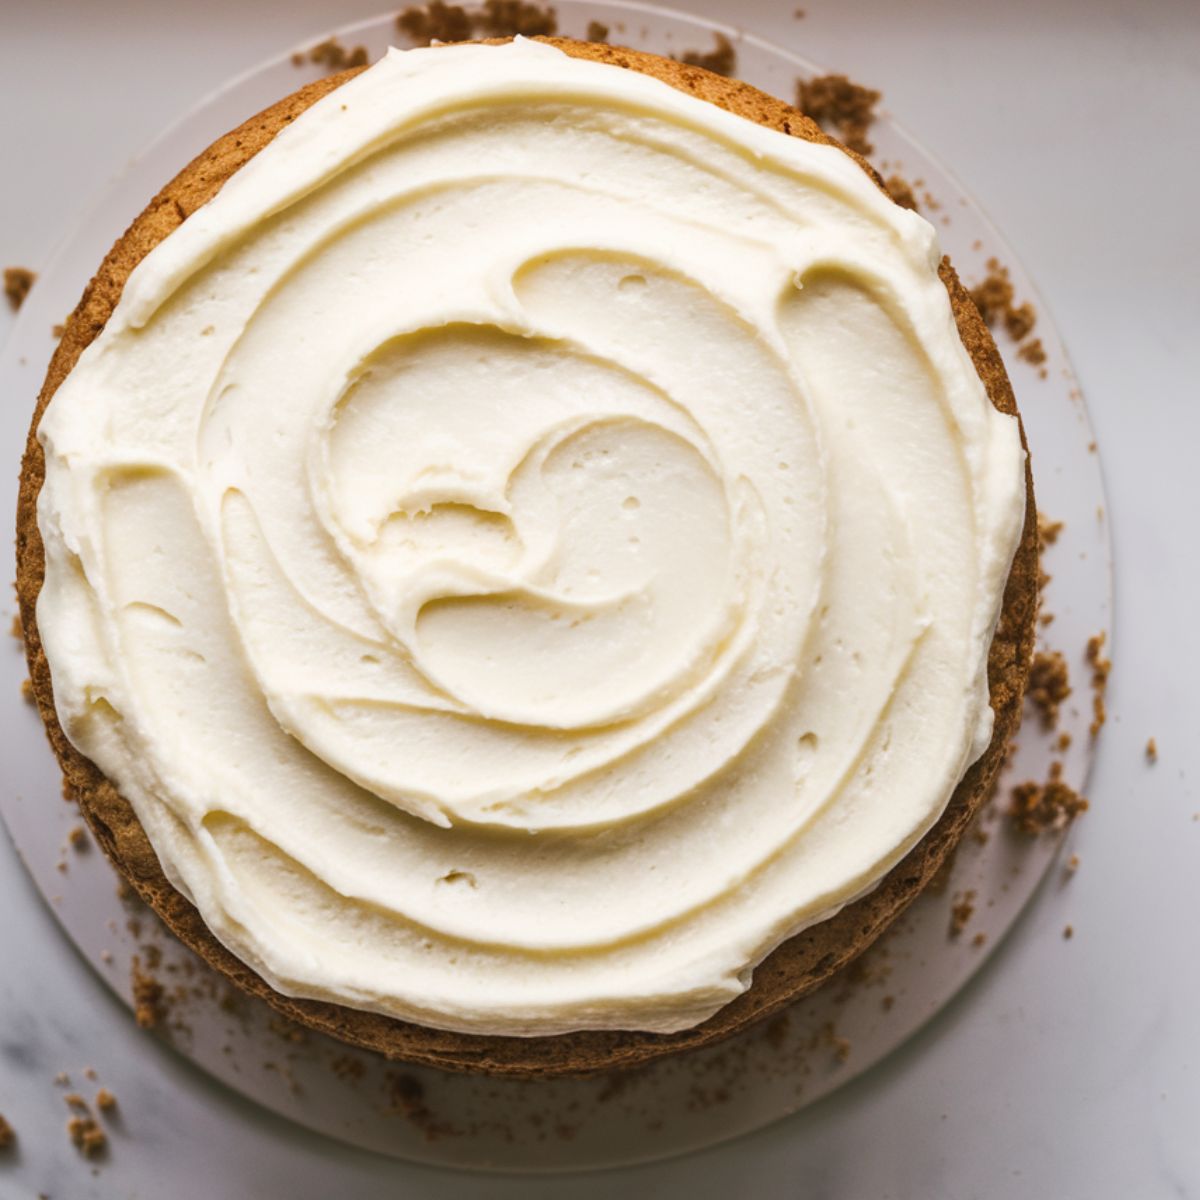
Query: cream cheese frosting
(528, 546)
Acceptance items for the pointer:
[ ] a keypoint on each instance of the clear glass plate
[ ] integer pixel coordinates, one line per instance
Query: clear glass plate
(677, 1105)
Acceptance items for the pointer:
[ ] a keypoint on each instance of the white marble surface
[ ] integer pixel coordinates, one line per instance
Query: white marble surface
(1068, 1068)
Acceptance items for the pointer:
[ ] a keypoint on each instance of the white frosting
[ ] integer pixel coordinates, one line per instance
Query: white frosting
(528, 546)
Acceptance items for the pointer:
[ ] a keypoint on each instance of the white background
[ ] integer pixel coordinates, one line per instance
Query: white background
(1068, 1068)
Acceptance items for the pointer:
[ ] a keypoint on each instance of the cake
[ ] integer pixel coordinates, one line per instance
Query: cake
(529, 569)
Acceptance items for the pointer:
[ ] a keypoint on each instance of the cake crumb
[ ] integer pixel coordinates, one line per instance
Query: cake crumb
(348, 1068)
(434, 22)
(15, 628)
(961, 912)
(1048, 531)
(17, 282)
(333, 56)
(839, 1045)
(887, 1002)
(1033, 352)
(979, 939)
(407, 1097)
(1068, 932)
(77, 836)
(517, 18)
(1049, 685)
(148, 1007)
(597, 31)
(1019, 320)
(836, 101)
(105, 1100)
(1151, 751)
(83, 1128)
(441, 22)
(27, 691)
(1037, 807)
(901, 192)
(993, 295)
(995, 298)
(1101, 667)
(8, 1135)
(721, 59)
(1072, 864)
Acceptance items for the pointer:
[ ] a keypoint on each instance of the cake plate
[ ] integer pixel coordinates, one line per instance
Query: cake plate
(678, 1104)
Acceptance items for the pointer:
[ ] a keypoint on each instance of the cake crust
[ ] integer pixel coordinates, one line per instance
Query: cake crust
(794, 968)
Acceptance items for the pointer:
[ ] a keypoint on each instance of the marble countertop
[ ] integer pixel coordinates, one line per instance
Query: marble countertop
(1067, 1068)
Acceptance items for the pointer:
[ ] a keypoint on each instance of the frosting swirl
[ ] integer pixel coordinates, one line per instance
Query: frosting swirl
(529, 545)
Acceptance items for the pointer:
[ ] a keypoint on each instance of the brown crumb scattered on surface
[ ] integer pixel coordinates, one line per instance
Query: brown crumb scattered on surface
(8, 1135)
(1072, 864)
(979, 939)
(83, 1128)
(1033, 352)
(997, 304)
(289, 1031)
(961, 912)
(1151, 751)
(994, 295)
(406, 1096)
(27, 691)
(839, 1045)
(887, 1002)
(517, 18)
(333, 56)
(105, 1100)
(148, 1007)
(434, 22)
(1069, 932)
(721, 59)
(836, 102)
(17, 282)
(597, 31)
(441, 22)
(1049, 685)
(1038, 807)
(1019, 320)
(901, 191)
(348, 1068)
(77, 836)
(15, 627)
(1048, 531)
(1101, 667)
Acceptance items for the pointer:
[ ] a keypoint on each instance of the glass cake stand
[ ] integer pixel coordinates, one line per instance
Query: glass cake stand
(679, 1104)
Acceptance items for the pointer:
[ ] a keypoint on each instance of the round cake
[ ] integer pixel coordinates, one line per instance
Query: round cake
(527, 556)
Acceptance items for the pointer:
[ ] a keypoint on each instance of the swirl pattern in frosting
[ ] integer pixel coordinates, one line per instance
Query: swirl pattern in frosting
(528, 546)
